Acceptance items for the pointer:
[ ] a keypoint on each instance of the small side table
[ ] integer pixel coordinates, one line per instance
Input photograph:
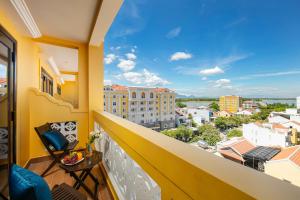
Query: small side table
(85, 167)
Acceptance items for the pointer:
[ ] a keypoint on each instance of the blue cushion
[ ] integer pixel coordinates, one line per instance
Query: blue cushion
(56, 139)
(24, 184)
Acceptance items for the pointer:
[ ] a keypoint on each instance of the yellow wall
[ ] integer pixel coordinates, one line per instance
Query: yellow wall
(27, 71)
(28, 76)
(171, 163)
(95, 81)
(69, 92)
(230, 103)
(45, 108)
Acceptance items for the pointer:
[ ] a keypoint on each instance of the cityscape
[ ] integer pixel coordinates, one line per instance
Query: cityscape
(218, 85)
(149, 100)
(259, 135)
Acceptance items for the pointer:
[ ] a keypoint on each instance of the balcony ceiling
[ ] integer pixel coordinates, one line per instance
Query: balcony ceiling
(84, 21)
(67, 19)
(65, 58)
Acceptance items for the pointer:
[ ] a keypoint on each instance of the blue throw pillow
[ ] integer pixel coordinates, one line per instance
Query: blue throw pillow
(26, 185)
(56, 139)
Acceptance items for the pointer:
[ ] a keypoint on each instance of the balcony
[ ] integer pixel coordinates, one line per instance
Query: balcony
(138, 163)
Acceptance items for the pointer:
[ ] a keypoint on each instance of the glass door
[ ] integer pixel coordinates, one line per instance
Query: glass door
(7, 109)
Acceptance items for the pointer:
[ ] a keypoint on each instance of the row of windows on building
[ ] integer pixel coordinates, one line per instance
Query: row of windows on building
(143, 95)
(142, 109)
(141, 103)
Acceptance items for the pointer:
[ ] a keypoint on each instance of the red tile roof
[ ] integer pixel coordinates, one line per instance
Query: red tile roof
(161, 90)
(296, 158)
(290, 153)
(119, 87)
(236, 149)
(285, 153)
(243, 146)
(3, 80)
(231, 154)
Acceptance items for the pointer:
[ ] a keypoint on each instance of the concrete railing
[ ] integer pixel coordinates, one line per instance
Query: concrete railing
(183, 171)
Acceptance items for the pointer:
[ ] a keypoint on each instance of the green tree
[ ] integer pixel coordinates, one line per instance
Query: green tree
(209, 134)
(182, 133)
(221, 123)
(214, 106)
(180, 105)
(234, 133)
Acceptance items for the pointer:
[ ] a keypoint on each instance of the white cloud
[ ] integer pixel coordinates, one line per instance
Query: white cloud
(211, 71)
(204, 78)
(109, 58)
(174, 32)
(231, 59)
(180, 56)
(282, 73)
(143, 78)
(126, 65)
(223, 83)
(131, 56)
(107, 82)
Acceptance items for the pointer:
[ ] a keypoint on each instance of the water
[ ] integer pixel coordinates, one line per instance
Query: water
(196, 104)
(284, 101)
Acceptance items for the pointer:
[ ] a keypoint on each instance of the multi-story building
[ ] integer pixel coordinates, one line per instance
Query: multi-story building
(230, 103)
(3, 86)
(269, 134)
(150, 107)
(147, 164)
(200, 115)
(249, 105)
(298, 102)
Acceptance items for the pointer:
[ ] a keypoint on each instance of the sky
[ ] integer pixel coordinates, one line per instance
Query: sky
(207, 48)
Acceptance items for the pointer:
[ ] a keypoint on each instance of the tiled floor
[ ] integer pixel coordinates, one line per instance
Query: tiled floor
(58, 176)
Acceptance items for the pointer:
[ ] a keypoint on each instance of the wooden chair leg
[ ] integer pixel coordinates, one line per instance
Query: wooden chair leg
(48, 168)
(3, 197)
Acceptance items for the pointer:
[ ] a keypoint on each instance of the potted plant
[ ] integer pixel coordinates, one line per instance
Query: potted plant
(94, 137)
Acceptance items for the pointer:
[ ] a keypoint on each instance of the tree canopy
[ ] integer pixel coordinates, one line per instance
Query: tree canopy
(180, 105)
(234, 133)
(182, 133)
(214, 106)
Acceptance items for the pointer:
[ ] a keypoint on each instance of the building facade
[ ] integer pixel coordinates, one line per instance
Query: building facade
(151, 107)
(230, 103)
(200, 115)
(267, 134)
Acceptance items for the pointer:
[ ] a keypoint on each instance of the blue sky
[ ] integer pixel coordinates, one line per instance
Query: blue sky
(207, 48)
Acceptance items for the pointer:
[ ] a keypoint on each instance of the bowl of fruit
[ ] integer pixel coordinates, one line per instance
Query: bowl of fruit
(72, 158)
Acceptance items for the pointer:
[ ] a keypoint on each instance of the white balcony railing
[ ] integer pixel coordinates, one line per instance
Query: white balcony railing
(144, 163)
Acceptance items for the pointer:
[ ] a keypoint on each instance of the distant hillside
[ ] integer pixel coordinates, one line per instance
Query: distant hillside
(179, 96)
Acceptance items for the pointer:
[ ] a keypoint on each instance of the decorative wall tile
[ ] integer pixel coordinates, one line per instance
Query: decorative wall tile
(68, 129)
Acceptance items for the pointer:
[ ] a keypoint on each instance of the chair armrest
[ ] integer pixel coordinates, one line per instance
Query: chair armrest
(72, 145)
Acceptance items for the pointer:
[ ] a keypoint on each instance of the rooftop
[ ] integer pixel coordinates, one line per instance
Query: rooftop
(261, 153)
(290, 154)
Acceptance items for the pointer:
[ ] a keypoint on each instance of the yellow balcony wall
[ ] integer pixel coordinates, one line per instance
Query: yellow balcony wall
(185, 172)
(27, 71)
